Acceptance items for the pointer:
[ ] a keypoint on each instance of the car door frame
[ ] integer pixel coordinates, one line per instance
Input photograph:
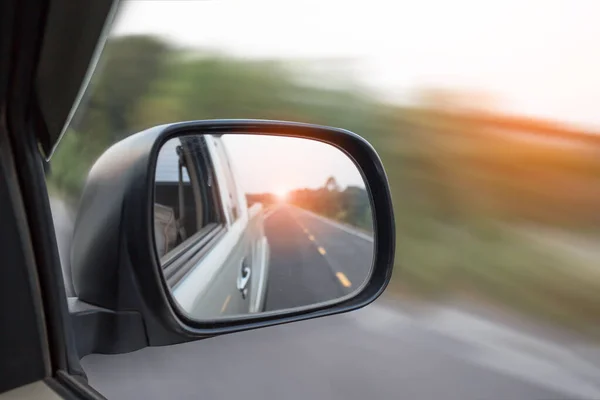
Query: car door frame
(36, 314)
(32, 280)
(185, 257)
(232, 244)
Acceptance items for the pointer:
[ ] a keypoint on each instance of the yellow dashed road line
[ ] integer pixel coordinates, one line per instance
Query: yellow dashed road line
(343, 280)
(340, 275)
(225, 304)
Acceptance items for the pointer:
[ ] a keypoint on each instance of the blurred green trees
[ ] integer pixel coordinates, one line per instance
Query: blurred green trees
(350, 205)
(464, 182)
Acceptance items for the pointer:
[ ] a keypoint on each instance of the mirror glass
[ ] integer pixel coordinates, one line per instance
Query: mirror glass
(250, 223)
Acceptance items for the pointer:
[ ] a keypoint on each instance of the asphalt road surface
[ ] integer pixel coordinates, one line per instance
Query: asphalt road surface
(383, 351)
(379, 352)
(313, 259)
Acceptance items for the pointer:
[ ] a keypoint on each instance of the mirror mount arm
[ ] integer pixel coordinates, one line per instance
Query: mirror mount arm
(112, 234)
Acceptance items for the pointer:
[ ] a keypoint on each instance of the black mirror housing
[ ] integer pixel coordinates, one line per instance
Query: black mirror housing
(123, 303)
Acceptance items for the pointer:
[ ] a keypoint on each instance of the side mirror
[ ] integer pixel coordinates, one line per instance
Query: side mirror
(196, 229)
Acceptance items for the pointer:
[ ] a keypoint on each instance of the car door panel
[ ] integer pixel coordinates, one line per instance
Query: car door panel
(222, 296)
(237, 197)
(212, 288)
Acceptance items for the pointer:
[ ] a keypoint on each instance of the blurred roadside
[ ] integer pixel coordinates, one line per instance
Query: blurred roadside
(496, 211)
(483, 335)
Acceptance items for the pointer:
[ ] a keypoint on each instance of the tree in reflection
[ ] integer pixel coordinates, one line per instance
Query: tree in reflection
(350, 205)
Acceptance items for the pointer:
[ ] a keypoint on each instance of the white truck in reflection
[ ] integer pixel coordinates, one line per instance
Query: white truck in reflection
(212, 247)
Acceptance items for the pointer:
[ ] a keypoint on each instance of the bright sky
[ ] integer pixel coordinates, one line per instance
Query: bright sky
(273, 164)
(280, 164)
(537, 57)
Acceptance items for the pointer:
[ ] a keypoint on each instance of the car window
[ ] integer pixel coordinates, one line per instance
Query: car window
(184, 203)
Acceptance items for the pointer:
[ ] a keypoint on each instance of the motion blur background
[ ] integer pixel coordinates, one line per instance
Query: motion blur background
(484, 114)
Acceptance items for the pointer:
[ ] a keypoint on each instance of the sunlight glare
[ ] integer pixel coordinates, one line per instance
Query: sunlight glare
(281, 194)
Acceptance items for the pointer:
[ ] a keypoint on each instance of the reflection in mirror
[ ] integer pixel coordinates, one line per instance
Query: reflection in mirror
(249, 223)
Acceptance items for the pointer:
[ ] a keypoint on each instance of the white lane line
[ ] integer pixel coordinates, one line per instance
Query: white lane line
(343, 227)
(474, 329)
(269, 211)
(505, 350)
